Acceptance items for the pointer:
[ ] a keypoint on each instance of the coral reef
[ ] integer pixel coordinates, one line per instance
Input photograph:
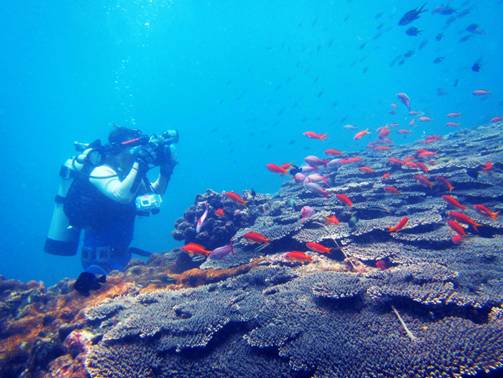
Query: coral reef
(217, 230)
(379, 303)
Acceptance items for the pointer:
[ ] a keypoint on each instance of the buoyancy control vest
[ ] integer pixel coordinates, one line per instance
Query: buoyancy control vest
(86, 207)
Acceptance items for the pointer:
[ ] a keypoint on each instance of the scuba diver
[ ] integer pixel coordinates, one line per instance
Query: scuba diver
(101, 192)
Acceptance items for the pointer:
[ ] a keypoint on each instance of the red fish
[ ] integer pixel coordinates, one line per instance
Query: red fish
(425, 153)
(457, 239)
(381, 264)
(410, 164)
(424, 119)
(464, 219)
(403, 131)
(349, 160)
(313, 135)
(480, 92)
(424, 180)
(456, 227)
(412, 122)
(432, 139)
(485, 210)
(220, 212)
(399, 225)
(395, 161)
(344, 198)
(366, 169)
(392, 189)
(488, 166)
(333, 152)
(361, 134)
(444, 181)
(383, 132)
(385, 176)
(453, 201)
(276, 169)
(298, 256)
(453, 124)
(454, 115)
(496, 119)
(422, 166)
(332, 219)
(195, 249)
(381, 148)
(317, 247)
(256, 237)
(236, 197)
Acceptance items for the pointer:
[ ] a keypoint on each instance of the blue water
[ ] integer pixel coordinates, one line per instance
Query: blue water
(241, 80)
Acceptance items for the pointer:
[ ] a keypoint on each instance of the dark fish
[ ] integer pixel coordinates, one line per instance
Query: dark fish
(408, 53)
(474, 28)
(439, 36)
(441, 92)
(465, 38)
(413, 31)
(439, 59)
(411, 15)
(476, 66)
(456, 82)
(423, 44)
(444, 10)
(87, 282)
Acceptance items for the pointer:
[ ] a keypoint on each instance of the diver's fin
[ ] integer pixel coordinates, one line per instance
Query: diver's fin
(139, 252)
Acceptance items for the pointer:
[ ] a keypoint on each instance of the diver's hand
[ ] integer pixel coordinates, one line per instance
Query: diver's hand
(144, 155)
(167, 162)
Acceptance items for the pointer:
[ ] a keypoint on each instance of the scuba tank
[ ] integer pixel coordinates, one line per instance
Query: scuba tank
(63, 239)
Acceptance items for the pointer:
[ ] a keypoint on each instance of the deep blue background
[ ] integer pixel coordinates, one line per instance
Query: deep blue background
(241, 80)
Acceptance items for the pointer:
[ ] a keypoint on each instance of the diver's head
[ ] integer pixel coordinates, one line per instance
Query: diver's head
(121, 140)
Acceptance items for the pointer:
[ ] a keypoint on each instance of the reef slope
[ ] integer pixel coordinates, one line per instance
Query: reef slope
(381, 304)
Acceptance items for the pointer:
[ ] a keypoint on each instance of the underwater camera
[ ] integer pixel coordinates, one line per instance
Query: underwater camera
(158, 148)
(148, 204)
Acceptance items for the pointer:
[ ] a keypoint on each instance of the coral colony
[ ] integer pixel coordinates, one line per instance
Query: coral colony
(338, 275)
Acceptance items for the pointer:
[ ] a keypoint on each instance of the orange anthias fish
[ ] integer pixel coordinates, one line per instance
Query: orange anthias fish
(333, 152)
(332, 219)
(457, 239)
(317, 247)
(446, 182)
(385, 176)
(453, 201)
(313, 135)
(366, 169)
(344, 198)
(361, 134)
(349, 160)
(298, 256)
(399, 225)
(464, 219)
(392, 189)
(456, 227)
(195, 249)
(485, 210)
(488, 166)
(236, 197)
(424, 180)
(276, 169)
(256, 237)
(425, 153)
(219, 212)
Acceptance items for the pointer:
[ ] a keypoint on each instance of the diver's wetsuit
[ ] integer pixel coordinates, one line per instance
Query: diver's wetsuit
(107, 239)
